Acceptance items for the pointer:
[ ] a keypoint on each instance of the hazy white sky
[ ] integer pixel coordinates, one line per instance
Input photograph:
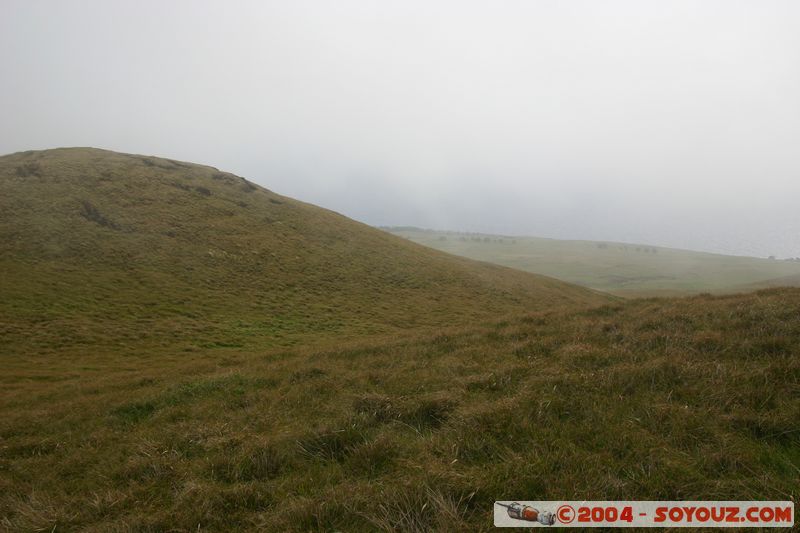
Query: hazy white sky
(665, 122)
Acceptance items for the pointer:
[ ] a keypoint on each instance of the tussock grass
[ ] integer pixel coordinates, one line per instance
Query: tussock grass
(653, 399)
(419, 509)
(261, 463)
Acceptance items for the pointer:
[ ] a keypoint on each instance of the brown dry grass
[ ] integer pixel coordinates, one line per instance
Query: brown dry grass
(653, 399)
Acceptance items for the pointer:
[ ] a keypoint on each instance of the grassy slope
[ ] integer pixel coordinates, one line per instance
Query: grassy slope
(646, 399)
(616, 268)
(100, 250)
(785, 281)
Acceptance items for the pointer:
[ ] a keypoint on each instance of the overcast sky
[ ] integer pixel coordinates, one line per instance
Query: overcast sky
(663, 122)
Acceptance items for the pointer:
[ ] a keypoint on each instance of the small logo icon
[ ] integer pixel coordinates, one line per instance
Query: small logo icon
(529, 514)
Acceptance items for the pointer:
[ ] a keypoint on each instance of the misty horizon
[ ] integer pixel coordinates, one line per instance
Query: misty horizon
(664, 124)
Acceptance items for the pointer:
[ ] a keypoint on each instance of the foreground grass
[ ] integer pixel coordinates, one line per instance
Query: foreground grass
(696, 398)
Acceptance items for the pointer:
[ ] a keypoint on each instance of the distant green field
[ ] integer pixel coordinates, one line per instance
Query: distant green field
(623, 269)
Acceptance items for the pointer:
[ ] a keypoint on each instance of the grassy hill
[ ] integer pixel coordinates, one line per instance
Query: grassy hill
(185, 351)
(645, 399)
(618, 268)
(785, 281)
(100, 249)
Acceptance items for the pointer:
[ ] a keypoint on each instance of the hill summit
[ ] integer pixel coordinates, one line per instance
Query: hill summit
(102, 248)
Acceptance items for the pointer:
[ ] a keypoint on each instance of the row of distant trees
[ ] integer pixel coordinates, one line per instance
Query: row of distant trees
(501, 240)
(625, 247)
(480, 237)
(464, 238)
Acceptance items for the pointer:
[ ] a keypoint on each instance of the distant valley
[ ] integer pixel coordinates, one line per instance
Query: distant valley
(630, 270)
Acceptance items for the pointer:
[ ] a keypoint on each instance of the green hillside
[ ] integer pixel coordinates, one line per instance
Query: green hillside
(786, 281)
(618, 268)
(100, 249)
